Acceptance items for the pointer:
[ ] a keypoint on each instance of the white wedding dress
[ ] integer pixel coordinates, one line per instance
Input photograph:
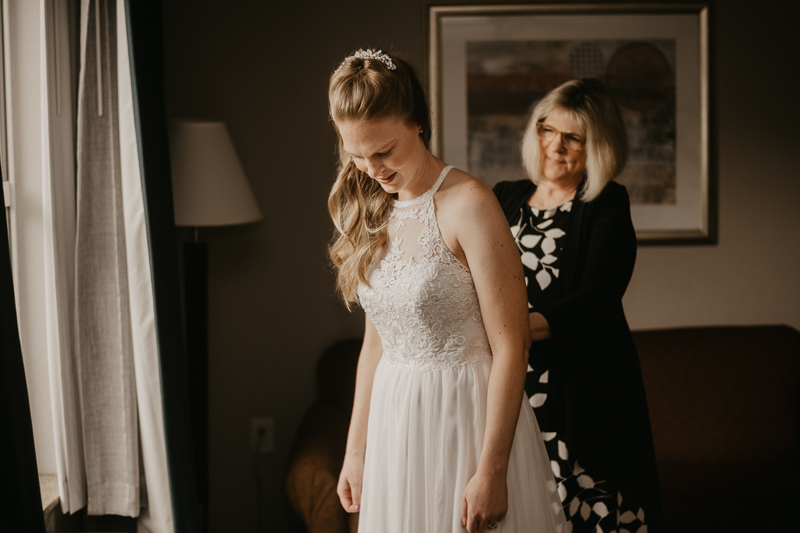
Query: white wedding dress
(428, 408)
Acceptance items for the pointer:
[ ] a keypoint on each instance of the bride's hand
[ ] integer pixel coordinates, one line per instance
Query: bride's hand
(485, 502)
(350, 479)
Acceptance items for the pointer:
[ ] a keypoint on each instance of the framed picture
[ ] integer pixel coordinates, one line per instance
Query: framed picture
(489, 65)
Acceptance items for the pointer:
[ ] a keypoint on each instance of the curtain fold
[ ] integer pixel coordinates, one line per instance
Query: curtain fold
(20, 505)
(58, 228)
(144, 29)
(157, 516)
(103, 336)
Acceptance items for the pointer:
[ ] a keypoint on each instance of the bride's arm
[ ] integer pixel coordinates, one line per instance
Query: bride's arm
(349, 487)
(486, 242)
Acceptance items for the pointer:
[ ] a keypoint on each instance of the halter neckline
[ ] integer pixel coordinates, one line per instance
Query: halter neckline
(427, 194)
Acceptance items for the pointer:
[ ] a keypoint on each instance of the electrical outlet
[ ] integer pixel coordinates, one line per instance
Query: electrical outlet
(262, 435)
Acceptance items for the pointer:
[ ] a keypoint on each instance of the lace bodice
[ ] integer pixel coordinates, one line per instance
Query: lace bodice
(421, 298)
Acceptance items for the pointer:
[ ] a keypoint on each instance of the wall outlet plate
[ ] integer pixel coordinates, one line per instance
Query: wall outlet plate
(262, 435)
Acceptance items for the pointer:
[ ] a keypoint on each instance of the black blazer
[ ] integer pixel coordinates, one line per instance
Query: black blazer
(595, 389)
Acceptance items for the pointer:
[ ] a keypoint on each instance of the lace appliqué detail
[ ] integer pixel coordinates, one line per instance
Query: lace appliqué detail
(402, 216)
(425, 308)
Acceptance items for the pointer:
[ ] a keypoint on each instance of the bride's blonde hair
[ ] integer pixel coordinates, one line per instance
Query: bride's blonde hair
(367, 86)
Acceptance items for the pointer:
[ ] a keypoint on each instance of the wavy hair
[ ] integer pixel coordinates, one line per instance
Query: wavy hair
(593, 109)
(365, 88)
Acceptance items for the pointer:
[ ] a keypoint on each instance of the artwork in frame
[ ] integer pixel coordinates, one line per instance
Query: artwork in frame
(489, 65)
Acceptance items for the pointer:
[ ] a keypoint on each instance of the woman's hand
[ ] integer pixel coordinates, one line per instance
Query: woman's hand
(540, 329)
(485, 502)
(350, 479)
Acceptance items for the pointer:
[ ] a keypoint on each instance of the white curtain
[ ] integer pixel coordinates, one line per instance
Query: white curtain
(103, 336)
(58, 214)
(157, 516)
(100, 324)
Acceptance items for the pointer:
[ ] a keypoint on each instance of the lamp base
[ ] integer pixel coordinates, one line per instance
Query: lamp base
(195, 257)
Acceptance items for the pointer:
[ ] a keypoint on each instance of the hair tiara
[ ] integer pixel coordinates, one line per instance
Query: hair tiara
(369, 53)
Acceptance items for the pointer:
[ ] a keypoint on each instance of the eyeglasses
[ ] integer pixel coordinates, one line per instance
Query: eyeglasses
(571, 141)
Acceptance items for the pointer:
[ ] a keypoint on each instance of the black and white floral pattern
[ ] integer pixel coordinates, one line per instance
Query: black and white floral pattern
(591, 505)
(539, 235)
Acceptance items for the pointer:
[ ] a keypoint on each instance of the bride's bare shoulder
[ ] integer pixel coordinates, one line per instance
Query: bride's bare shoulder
(461, 191)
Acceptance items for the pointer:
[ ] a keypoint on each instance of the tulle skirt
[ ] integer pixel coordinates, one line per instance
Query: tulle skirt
(423, 445)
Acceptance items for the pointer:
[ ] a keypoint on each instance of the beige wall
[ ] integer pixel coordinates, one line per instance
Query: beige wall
(263, 69)
(752, 276)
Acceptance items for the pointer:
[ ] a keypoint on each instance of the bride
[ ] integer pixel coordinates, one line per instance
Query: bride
(438, 440)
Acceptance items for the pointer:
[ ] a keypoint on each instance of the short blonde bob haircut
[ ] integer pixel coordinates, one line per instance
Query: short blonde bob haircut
(595, 112)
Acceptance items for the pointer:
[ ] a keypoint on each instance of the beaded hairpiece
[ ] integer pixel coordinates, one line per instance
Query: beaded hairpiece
(369, 53)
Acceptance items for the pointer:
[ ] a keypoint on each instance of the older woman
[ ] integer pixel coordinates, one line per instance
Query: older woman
(572, 225)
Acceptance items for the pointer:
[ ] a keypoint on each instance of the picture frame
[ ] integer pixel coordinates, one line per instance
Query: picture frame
(488, 65)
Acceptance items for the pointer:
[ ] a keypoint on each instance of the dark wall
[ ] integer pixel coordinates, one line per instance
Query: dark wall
(263, 68)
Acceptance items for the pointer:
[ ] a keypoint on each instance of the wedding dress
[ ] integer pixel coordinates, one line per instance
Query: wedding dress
(428, 407)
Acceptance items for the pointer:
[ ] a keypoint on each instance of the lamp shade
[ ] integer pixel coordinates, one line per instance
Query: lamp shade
(208, 181)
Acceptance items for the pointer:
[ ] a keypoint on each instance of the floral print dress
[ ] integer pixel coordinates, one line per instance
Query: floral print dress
(590, 504)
